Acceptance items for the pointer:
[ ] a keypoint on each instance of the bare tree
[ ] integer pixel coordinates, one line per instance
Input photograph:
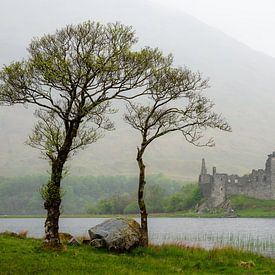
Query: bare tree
(175, 104)
(72, 76)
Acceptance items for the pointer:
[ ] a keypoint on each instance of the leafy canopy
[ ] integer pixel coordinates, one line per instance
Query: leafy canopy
(72, 76)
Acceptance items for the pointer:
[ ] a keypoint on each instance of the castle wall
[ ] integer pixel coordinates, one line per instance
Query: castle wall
(259, 184)
(270, 169)
(253, 185)
(218, 193)
(205, 183)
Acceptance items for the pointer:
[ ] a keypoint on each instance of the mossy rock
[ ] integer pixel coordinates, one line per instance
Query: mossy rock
(117, 234)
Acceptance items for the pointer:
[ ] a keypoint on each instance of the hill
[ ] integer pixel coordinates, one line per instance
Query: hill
(242, 83)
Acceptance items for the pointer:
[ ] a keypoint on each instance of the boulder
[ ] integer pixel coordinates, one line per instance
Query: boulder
(98, 243)
(117, 234)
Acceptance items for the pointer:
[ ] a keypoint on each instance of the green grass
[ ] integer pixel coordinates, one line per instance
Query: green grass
(250, 207)
(26, 256)
(256, 213)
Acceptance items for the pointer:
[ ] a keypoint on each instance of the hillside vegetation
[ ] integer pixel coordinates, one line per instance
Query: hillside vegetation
(97, 195)
(250, 207)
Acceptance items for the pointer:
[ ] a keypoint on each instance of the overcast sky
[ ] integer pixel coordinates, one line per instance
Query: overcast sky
(250, 21)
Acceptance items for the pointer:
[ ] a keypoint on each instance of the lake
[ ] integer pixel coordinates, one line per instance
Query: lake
(253, 234)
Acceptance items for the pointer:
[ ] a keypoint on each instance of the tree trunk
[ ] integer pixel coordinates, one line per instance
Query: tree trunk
(53, 196)
(141, 202)
(52, 223)
(52, 204)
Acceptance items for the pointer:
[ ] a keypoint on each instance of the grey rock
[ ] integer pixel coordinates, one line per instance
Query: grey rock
(98, 243)
(117, 234)
(74, 241)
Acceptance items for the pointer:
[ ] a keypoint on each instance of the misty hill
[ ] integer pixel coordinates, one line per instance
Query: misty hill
(242, 86)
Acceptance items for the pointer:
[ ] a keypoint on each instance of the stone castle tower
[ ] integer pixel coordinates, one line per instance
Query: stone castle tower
(260, 184)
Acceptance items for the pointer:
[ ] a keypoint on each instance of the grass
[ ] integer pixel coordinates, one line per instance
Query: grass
(250, 207)
(256, 213)
(19, 255)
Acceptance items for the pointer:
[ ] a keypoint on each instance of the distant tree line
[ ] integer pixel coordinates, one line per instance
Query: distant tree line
(97, 195)
(157, 201)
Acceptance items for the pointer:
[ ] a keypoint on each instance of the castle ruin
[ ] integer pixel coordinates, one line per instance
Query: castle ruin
(216, 188)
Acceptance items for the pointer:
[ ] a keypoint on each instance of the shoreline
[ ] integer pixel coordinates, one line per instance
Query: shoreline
(153, 215)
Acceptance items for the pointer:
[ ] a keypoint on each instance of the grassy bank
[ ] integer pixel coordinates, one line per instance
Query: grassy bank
(26, 256)
(250, 207)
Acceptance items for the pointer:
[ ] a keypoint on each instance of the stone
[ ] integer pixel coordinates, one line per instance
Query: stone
(74, 241)
(118, 234)
(98, 243)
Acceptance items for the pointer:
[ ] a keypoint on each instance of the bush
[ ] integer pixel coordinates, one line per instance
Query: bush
(131, 208)
(187, 198)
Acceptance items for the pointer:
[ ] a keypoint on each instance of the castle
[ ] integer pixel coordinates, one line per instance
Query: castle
(216, 188)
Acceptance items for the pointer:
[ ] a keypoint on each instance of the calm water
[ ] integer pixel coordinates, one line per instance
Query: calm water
(252, 234)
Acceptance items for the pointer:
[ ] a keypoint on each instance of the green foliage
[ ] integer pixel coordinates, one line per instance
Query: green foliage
(20, 195)
(187, 198)
(113, 205)
(50, 192)
(89, 194)
(159, 199)
(155, 196)
(31, 258)
(131, 208)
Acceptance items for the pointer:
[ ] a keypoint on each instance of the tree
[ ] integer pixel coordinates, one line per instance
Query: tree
(72, 76)
(188, 197)
(175, 104)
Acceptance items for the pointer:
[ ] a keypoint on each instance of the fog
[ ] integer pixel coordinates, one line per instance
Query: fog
(241, 78)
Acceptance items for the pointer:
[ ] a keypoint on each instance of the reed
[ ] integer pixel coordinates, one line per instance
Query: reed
(264, 246)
